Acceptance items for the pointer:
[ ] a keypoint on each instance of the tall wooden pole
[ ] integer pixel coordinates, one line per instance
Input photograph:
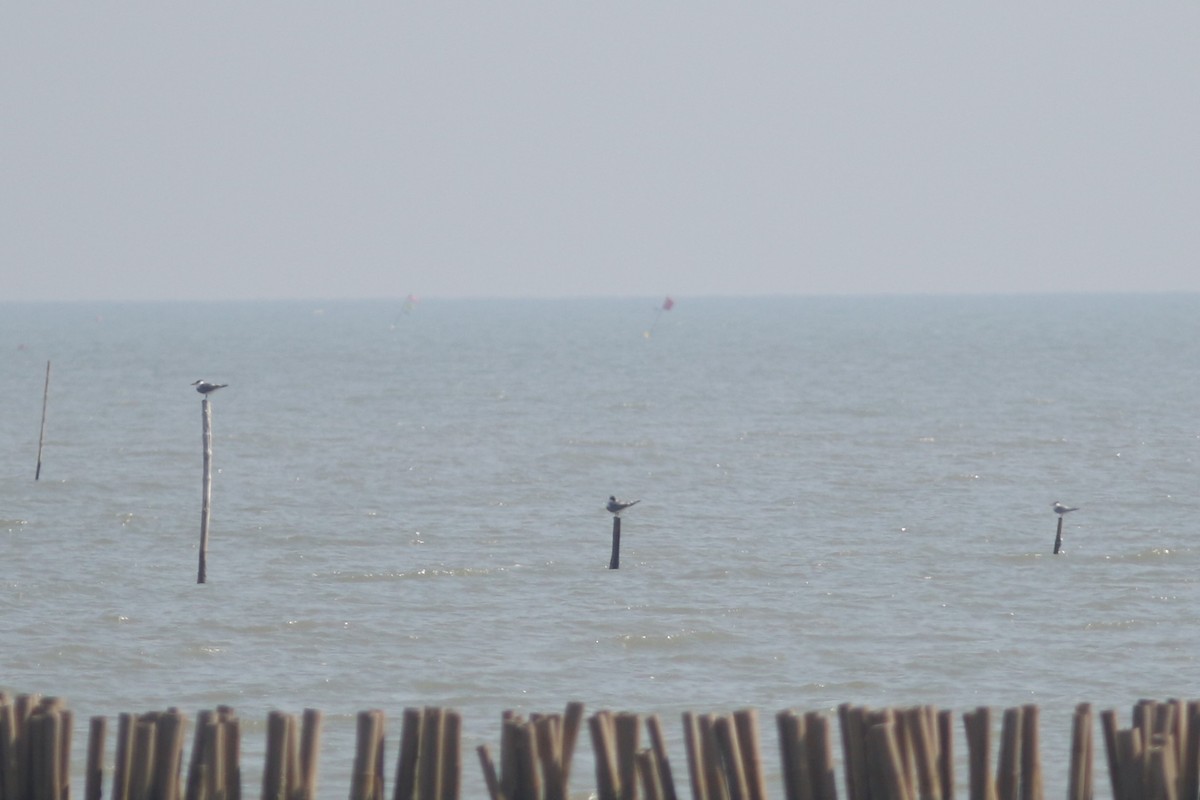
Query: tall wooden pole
(42, 435)
(1058, 536)
(615, 561)
(207, 489)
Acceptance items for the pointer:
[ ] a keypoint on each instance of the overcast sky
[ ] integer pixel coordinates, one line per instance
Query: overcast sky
(300, 150)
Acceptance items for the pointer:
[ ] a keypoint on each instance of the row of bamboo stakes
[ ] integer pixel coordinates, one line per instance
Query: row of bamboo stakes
(887, 754)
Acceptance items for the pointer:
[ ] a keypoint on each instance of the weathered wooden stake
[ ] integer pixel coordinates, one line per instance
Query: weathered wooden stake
(42, 436)
(206, 491)
(614, 562)
(1058, 536)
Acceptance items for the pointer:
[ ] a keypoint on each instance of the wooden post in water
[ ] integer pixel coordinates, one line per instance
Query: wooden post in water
(614, 562)
(1058, 536)
(206, 491)
(42, 436)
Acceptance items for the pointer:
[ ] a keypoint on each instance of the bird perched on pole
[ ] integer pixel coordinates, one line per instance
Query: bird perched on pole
(1060, 509)
(615, 506)
(205, 388)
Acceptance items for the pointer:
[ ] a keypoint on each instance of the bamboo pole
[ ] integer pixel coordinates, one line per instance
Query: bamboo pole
(694, 751)
(1190, 777)
(854, 749)
(94, 774)
(1079, 784)
(793, 760)
(45, 736)
(228, 745)
(1031, 762)
(142, 767)
(206, 490)
(572, 721)
(662, 764)
(978, 726)
(885, 762)
(728, 760)
(124, 757)
(626, 728)
(603, 745)
(1108, 726)
(42, 434)
(945, 727)
(406, 760)
(489, 773)
(367, 781)
(274, 783)
(310, 750)
(451, 755)
(746, 722)
(22, 711)
(197, 778)
(547, 730)
(1008, 765)
(821, 767)
(647, 770)
(508, 755)
(168, 749)
(429, 774)
(8, 748)
(922, 735)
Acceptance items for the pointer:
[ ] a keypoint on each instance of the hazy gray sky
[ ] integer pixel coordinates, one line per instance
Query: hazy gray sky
(247, 150)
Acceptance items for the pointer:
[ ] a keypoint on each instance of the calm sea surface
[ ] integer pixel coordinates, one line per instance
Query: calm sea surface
(843, 500)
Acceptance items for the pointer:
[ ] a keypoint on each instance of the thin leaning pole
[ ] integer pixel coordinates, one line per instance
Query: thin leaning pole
(42, 435)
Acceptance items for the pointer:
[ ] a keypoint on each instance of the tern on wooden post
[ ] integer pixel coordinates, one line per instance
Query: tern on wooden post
(205, 389)
(615, 507)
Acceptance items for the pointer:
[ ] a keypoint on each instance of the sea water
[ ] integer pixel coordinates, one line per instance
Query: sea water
(843, 499)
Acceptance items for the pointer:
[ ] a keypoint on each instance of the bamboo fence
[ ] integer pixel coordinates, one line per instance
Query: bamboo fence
(886, 754)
